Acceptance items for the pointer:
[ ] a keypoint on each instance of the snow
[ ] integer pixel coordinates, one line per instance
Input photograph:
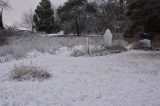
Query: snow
(63, 51)
(128, 47)
(61, 33)
(126, 79)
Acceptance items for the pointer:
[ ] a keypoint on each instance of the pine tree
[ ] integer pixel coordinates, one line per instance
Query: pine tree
(71, 11)
(44, 17)
(144, 16)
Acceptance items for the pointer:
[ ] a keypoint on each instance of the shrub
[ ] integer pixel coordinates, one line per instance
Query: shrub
(23, 72)
(78, 51)
(3, 38)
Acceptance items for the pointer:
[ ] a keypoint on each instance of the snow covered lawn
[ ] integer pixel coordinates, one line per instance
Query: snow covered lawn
(127, 79)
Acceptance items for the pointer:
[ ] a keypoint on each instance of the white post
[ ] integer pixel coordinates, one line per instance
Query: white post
(108, 38)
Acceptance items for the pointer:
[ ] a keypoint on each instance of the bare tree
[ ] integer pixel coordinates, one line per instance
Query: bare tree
(27, 20)
(111, 14)
(4, 4)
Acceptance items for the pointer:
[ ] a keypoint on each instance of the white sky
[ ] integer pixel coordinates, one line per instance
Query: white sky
(13, 15)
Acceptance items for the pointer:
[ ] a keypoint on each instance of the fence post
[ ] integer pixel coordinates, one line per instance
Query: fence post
(88, 51)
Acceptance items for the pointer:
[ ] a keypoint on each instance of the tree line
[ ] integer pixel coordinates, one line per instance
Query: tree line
(79, 17)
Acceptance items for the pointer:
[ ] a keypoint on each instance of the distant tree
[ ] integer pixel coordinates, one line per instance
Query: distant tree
(75, 12)
(110, 15)
(144, 16)
(27, 20)
(44, 17)
(3, 5)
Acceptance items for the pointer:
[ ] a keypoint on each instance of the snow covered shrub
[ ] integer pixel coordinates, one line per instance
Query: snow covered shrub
(23, 72)
(98, 50)
(78, 51)
(15, 51)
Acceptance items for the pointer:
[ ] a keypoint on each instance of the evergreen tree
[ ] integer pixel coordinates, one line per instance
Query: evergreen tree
(144, 16)
(44, 17)
(75, 11)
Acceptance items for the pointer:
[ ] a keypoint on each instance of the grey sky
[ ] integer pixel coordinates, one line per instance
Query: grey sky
(13, 15)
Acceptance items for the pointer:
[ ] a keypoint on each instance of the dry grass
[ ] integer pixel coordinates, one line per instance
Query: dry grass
(23, 72)
(19, 47)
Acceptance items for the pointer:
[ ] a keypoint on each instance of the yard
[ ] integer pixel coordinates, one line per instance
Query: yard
(125, 79)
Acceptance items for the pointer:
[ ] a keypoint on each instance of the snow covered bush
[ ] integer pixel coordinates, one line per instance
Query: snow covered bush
(23, 72)
(78, 51)
(16, 51)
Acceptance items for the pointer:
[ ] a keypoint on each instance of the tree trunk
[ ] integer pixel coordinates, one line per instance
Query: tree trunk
(77, 27)
(32, 28)
(123, 14)
(1, 21)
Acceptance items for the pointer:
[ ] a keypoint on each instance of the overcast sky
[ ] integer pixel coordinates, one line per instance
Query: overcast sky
(13, 15)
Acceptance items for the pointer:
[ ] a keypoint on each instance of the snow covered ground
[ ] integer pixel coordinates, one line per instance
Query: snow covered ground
(126, 79)
(20, 47)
